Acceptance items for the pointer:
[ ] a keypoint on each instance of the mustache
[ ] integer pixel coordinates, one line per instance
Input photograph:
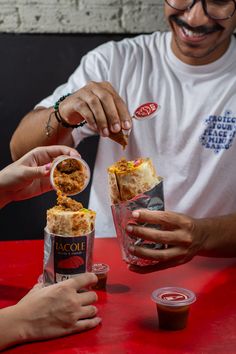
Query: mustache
(199, 29)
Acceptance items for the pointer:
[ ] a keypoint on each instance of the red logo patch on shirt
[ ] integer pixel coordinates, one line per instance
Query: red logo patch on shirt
(146, 110)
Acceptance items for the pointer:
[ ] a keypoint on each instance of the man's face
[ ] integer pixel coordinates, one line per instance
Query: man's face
(197, 39)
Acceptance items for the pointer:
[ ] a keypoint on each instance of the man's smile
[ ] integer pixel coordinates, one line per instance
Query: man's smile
(194, 34)
(197, 40)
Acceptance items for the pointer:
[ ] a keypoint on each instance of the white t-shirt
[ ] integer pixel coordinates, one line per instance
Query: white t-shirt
(191, 140)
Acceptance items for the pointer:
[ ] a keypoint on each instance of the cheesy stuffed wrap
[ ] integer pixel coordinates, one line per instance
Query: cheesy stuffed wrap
(127, 179)
(68, 240)
(134, 185)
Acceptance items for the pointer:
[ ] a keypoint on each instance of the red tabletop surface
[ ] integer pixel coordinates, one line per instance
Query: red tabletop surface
(129, 316)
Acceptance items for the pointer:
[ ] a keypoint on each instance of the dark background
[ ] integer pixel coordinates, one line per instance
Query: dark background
(32, 66)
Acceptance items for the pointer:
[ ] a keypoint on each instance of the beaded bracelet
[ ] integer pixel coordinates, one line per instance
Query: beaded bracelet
(60, 119)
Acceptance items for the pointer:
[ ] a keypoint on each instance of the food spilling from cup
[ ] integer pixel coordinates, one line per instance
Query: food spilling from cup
(69, 231)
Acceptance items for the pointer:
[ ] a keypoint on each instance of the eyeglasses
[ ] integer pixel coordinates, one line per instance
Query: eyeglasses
(214, 9)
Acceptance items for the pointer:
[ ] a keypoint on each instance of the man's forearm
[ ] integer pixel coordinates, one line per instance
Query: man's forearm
(221, 236)
(4, 199)
(10, 328)
(37, 129)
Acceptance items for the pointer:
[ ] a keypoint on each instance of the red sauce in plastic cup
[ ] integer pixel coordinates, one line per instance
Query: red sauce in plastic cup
(173, 305)
(101, 270)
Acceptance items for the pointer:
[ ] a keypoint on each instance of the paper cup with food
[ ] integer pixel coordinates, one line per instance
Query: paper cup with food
(69, 175)
(69, 231)
(68, 240)
(134, 185)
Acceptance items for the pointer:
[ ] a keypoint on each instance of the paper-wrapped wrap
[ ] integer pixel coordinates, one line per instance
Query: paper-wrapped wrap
(134, 185)
(127, 179)
(68, 240)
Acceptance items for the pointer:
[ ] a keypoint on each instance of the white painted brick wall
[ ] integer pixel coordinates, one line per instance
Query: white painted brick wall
(81, 16)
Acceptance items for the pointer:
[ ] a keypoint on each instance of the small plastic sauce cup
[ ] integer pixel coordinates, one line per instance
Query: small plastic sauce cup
(101, 270)
(173, 305)
(70, 175)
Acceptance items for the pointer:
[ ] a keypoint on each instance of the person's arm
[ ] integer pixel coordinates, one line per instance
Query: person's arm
(184, 236)
(29, 176)
(221, 236)
(97, 103)
(48, 312)
(32, 132)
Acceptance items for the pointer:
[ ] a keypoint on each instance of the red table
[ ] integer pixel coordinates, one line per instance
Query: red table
(129, 316)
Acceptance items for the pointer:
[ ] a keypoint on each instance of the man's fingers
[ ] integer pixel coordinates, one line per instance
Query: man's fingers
(125, 117)
(75, 110)
(83, 325)
(87, 311)
(111, 119)
(168, 258)
(90, 106)
(161, 217)
(179, 237)
(163, 255)
(81, 281)
(100, 103)
(83, 111)
(88, 297)
(151, 234)
(157, 267)
(97, 106)
(122, 110)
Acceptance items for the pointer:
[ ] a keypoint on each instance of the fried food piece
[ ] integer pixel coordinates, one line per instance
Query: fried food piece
(120, 138)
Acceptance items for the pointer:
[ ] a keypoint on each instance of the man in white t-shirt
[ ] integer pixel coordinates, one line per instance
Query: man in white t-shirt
(190, 72)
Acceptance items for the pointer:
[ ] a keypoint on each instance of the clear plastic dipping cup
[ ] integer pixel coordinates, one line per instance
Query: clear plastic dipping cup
(70, 175)
(101, 270)
(173, 305)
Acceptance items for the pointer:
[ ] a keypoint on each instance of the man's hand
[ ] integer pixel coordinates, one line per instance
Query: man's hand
(59, 309)
(183, 235)
(100, 105)
(49, 312)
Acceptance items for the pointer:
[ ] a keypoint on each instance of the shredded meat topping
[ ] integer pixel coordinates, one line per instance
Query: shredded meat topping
(67, 204)
(70, 176)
